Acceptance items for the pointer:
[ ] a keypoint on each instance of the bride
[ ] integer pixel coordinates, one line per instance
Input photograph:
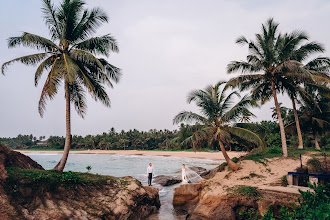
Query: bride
(184, 175)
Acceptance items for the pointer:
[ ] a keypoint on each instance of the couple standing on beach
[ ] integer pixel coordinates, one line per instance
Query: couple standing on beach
(150, 173)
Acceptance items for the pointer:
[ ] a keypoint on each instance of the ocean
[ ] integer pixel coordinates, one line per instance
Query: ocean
(130, 165)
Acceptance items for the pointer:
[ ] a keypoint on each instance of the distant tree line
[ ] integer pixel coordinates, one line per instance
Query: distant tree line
(163, 139)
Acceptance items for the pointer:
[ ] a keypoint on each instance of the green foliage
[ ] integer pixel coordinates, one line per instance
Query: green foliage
(222, 166)
(274, 140)
(284, 181)
(314, 205)
(248, 214)
(274, 150)
(52, 178)
(314, 166)
(252, 175)
(88, 168)
(234, 159)
(248, 191)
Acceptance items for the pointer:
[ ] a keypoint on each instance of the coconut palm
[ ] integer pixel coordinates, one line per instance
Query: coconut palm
(315, 119)
(315, 71)
(270, 64)
(70, 58)
(218, 117)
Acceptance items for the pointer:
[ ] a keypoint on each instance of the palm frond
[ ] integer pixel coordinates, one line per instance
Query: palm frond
(186, 116)
(32, 41)
(99, 45)
(27, 60)
(246, 135)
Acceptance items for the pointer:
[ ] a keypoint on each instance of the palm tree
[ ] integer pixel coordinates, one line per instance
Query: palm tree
(269, 64)
(70, 57)
(218, 117)
(314, 71)
(315, 118)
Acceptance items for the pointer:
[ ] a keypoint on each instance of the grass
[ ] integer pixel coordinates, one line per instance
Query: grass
(247, 191)
(261, 155)
(17, 176)
(252, 175)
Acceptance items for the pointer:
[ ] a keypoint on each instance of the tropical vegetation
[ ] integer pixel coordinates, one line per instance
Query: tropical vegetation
(274, 65)
(218, 118)
(69, 58)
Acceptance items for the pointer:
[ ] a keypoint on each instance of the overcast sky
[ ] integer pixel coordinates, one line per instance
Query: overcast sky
(167, 48)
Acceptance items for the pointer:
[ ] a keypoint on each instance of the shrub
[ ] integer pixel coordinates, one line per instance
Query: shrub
(274, 150)
(248, 191)
(313, 205)
(314, 166)
(284, 181)
(70, 177)
(222, 166)
(235, 159)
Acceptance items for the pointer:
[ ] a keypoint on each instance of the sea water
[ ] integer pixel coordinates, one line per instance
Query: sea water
(131, 165)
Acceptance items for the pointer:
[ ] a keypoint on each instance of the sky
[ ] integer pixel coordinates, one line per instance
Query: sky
(167, 48)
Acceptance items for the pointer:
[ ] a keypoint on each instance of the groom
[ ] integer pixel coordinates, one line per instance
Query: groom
(150, 171)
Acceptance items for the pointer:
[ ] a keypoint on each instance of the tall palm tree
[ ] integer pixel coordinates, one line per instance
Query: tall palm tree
(70, 57)
(315, 119)
(313, 71)
(269, 65)
(218, 117)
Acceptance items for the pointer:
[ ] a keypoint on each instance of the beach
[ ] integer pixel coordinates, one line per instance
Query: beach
(200, 155)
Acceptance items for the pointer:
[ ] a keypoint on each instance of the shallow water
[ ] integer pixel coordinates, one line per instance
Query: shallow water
(130, 165)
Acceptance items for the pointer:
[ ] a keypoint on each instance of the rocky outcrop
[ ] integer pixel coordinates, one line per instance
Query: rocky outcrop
(166, 180)
(103, 197)
(228, 206)
(187, 193)
(9, 158)
(198, 170)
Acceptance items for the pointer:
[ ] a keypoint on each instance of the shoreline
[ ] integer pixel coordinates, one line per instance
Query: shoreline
(199, 155)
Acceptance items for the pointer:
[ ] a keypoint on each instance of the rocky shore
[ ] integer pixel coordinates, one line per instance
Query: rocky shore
(28, 194)
(255, 187)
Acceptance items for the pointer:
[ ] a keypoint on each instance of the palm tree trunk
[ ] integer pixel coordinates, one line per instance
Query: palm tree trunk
(301, 145)
(316, 139)
(280, 121)
(61, 164)
(231, 164)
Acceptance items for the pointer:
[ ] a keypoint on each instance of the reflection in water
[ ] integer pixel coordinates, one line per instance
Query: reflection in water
(130, 165)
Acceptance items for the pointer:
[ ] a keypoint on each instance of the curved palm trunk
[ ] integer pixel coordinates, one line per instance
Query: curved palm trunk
(231, 164)
(316, 139)
(280, 121)
(61, 164)
(301, 145)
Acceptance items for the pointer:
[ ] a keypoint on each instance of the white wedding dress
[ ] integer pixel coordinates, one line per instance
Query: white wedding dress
(184, 176)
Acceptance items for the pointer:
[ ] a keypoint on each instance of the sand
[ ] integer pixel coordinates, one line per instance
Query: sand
(201, 155)
(263, 176)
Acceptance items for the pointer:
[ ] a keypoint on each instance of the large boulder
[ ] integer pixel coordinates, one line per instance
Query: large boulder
(166, 180)
(187, 193)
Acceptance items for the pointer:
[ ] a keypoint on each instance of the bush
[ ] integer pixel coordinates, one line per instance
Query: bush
(314, 166)
(314, 205)
(248, 191)
(274, 150)
(284, 181)
(235, 159)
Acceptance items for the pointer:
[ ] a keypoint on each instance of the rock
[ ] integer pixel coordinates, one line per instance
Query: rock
(186, 193)
(166, 180)
(120, 198)
(198, 170)
(9, 158)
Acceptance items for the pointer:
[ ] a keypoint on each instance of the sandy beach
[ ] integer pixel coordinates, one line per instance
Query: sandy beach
(201, 155)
